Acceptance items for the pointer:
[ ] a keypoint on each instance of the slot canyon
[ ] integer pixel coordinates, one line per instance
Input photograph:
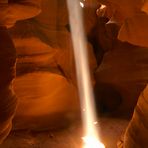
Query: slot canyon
(40, 103)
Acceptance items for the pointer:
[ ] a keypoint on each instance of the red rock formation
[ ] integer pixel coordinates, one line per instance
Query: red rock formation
(9, 14)
(136, 135)
(7, 74)
(133, 30)
(131, 22)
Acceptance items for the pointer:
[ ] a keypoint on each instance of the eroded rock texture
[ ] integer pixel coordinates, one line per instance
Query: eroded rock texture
(124, 65)
(9, 14)
(136, 133)
(7, 73)
(124, 68)
(46, 79)
(130, 70)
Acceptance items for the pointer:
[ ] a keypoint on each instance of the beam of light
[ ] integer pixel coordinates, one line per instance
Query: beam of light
(91, 138)
(92, 142)
(82, 4)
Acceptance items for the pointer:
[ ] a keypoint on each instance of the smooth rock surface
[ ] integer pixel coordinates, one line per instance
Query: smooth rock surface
(44, 99)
